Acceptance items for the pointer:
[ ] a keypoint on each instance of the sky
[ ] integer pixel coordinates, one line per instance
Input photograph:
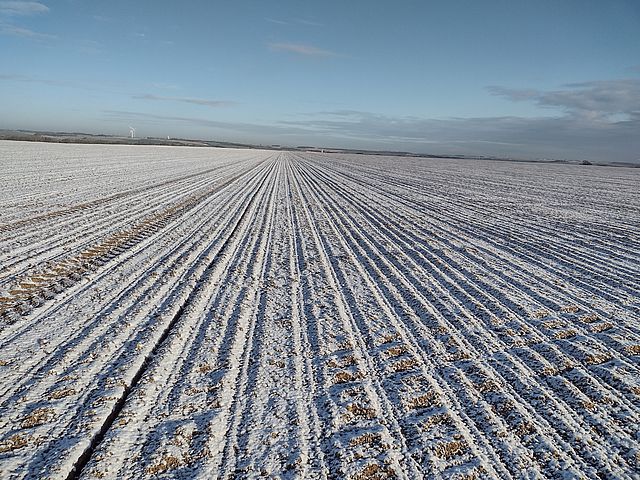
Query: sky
(525, 79)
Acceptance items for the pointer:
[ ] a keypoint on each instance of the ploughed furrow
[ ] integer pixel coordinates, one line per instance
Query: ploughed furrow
(175, 420)
(202, 422)
(76, 383)
(472, 217)
(567, 305)
(361, 435)
(32, 289)
(468, 278)
(122, 176)
(272, 383)
(106, 308)
(44, 243)
(621, 411)
(87, 206)
(41, 179)
(554, 230)
(113, 315)
(606, 397)
(437, 439)
(205, 313)
(389, 276)
(35, 242)
(83, 250)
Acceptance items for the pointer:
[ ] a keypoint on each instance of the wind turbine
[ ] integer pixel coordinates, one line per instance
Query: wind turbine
(132, 132)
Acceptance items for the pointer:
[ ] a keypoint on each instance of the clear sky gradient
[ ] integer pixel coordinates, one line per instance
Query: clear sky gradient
(527, 79)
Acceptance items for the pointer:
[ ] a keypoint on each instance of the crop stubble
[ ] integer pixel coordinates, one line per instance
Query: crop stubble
(210, 313)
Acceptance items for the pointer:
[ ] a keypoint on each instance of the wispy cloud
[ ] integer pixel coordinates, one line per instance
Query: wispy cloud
(276, 21)
(302, 49)
(597, 100)
(14, 77)
(22, 8)
(15, 31)
(195, 101)
(595, 120)
(294, 21)
(17, 8)
(309, 23)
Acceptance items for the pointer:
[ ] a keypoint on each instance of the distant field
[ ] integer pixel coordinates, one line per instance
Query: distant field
(180, 312)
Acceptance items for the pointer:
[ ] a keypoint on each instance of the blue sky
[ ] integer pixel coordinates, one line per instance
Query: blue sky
(533, 79)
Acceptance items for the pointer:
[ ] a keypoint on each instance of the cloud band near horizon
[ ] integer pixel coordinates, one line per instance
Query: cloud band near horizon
(194, 101)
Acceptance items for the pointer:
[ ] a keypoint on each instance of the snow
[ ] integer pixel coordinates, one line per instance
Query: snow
(209, 313)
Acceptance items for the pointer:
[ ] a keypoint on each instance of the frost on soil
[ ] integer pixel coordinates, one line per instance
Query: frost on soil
(210, 313)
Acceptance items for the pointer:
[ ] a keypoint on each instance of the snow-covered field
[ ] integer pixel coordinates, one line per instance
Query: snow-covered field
(181, 312)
